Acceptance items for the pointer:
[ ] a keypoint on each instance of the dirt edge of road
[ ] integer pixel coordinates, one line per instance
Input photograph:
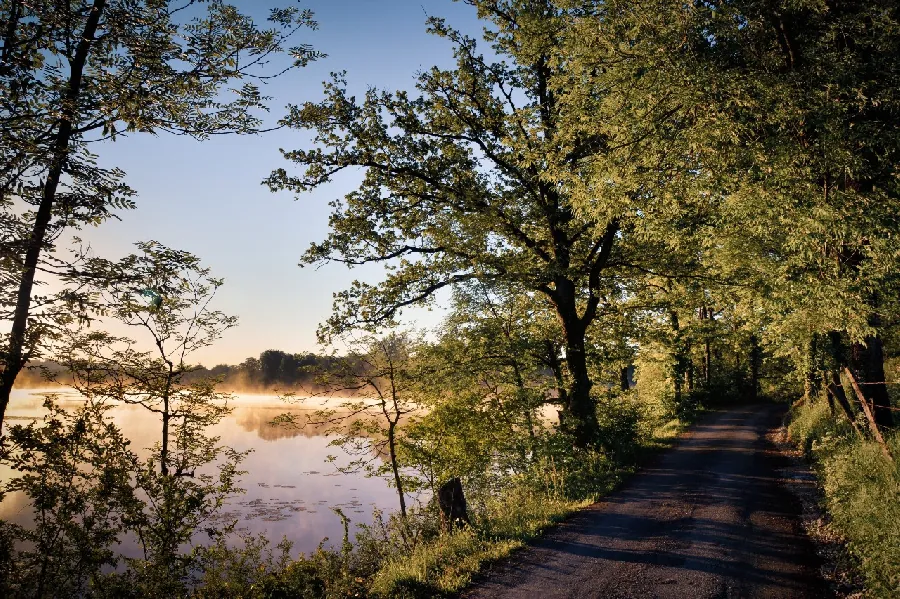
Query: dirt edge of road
(692, 524)
(837, 567)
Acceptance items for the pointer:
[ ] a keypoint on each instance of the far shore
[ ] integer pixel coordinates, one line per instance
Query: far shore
(257, 398)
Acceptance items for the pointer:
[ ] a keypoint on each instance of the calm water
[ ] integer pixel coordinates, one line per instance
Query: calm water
(289, 487)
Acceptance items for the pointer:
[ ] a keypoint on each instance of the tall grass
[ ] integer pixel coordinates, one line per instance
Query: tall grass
(861, 490)
(412, 558)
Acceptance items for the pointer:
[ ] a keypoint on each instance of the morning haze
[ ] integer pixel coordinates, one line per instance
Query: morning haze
(598, 298)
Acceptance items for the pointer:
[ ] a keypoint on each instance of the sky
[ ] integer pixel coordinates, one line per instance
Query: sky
(207, 197)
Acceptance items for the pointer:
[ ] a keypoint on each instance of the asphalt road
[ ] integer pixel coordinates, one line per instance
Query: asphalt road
(708, 518)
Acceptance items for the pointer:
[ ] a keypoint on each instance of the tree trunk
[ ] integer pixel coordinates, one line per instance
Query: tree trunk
(755, 364)
(870, 417)
(580, 416)
(811, 382)
(677, 357)
(522, 393)
(583, 424)
(395, 467)
(556, 366)
(868, 368)
(836, 390)
(164, 449)
(833, 384)
(689, 375)
(706, 314)
(707, 364)
(624, 382)
(16, 356)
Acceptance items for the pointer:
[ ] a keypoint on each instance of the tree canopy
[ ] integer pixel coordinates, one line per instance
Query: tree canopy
(74, 73)
(472, 179)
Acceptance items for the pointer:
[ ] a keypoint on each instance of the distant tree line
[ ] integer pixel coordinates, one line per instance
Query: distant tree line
(272, 369)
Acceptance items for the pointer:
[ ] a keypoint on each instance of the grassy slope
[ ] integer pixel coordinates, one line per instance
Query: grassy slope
(862, 492)
(446, 565)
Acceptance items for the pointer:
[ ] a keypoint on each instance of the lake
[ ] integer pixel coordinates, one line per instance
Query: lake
(289, 486)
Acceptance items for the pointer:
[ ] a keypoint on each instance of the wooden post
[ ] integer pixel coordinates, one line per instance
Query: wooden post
(870, 417)
(452, 504)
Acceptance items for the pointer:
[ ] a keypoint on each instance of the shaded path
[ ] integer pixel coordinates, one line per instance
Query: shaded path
(706, 519)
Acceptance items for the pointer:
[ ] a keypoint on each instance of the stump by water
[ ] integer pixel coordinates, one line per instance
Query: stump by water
(453, 505)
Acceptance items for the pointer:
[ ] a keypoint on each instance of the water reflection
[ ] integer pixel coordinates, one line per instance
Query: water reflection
(289, 487)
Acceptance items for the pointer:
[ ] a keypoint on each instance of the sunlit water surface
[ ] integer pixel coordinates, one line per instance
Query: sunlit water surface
(290, 489)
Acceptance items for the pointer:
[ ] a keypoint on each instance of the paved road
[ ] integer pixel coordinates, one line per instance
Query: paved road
(708, 518)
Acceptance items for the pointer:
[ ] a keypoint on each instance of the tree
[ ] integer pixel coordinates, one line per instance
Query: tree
(380, 374)
(163, 297)
(789, 113)
(471, 181)
(487, 379)
(76, 72)
(505, 346)
(76, 468)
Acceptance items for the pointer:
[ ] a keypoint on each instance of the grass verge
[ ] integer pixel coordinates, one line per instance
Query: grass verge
(861, 489)
(446, 565)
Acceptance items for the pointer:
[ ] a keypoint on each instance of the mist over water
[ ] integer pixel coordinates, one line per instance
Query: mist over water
(289, 486)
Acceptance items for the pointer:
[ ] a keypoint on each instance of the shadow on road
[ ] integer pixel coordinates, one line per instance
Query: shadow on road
(709, 518)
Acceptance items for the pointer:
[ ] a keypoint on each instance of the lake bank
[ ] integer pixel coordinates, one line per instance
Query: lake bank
(290, 489)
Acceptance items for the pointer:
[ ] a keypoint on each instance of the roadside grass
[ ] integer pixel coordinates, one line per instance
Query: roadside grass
(412, 558)
(446, 565)
(861, 490)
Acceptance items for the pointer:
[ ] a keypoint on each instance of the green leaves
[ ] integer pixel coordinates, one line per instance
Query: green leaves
(87, 485)
(76, 73)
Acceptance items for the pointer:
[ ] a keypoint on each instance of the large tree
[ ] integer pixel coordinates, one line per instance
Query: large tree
(473, 178)
(796, 141)
(74, 72)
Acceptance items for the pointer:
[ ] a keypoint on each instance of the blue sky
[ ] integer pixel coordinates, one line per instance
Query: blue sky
(207, 198)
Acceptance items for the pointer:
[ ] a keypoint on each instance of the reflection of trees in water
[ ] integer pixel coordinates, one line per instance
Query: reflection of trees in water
(259, 420)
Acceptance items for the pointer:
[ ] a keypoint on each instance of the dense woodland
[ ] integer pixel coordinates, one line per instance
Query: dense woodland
(273, 370)
(638, 209)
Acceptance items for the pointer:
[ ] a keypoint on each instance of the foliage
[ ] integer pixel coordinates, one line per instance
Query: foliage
(523, 508)
(78, 72)
(485, 382)
(473, 180)
(701, 194)
(381, 374)
(89, 489)
(860, 487)
(76, 468)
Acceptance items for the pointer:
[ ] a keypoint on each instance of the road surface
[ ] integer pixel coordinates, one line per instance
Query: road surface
(709, 518)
